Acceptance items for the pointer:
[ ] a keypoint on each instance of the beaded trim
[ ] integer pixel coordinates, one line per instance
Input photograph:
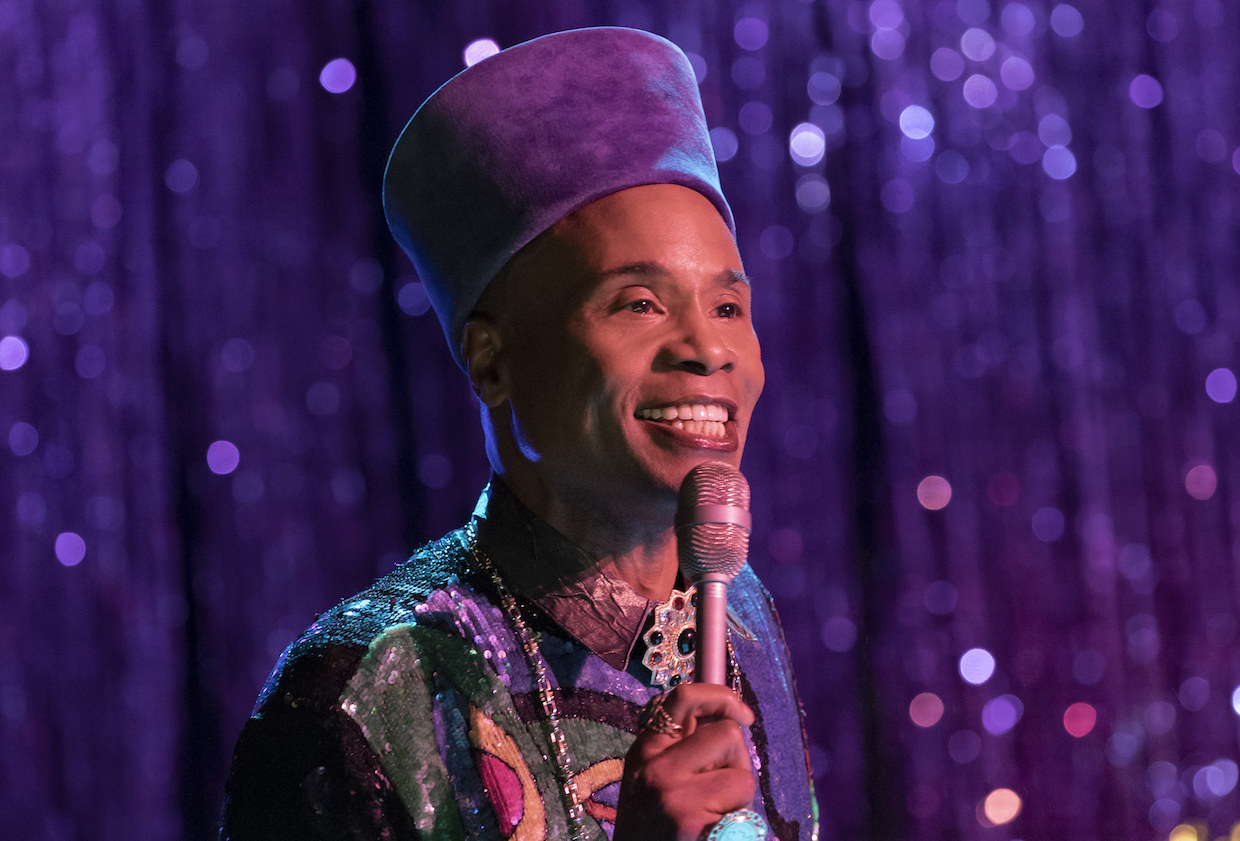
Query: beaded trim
(546, 694)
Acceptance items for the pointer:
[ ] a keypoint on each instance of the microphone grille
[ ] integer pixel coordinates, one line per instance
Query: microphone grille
(719, 548)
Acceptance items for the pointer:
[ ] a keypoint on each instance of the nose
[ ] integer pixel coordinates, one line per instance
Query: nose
(697, 344)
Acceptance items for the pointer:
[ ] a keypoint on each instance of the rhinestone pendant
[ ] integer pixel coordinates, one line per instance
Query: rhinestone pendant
(671, 642)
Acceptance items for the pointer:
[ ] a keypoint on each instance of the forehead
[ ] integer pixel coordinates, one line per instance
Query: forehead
(660, 233)
(663, 222)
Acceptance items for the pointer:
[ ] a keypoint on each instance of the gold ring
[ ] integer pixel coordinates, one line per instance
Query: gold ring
(657, 720)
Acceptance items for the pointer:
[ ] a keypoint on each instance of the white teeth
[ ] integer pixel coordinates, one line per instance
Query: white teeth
(705, 412)
(704, 428)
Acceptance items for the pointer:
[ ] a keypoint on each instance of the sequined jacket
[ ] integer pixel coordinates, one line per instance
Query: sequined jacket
(411, 712)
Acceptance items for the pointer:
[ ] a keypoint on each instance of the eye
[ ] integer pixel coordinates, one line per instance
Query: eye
(641, 306)
(728, 311)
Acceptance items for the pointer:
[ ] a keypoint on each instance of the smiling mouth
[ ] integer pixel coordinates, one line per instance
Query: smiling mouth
(707, 420)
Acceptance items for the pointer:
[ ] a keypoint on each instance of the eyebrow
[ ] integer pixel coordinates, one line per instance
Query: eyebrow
(649, 268)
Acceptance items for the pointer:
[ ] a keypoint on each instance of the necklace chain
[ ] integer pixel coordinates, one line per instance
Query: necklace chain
(546, 694)
(530, 640)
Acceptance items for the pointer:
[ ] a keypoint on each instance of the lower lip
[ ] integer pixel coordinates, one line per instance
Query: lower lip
(728, 443)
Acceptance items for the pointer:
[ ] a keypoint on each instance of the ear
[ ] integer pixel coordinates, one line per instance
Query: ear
(481, 344)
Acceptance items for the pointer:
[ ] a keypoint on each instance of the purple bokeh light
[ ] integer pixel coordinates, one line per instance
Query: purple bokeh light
(338, 75)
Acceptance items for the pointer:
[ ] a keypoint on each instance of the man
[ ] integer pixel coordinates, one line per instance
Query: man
(521, 677)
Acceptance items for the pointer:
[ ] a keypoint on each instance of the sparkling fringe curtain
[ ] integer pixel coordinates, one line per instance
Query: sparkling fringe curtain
(994, 471)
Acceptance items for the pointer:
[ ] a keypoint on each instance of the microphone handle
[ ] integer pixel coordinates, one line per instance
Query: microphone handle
(712, 629)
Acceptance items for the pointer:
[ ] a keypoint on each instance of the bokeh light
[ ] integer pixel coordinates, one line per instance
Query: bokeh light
(946, 64)
(1047, 524)
(1067, 21)
(751, 33)
(813, 193)
(223, 457)
(1184, 832)
(1218, 779)
(14, 260)
(926, 709)
(70, 548)
(23, 438)
(1001, 806)
(1201, 482)
(977, 44)
(476, 51)
(1017, 19)
(1145, 91)
(980, 91)
(887, 44)
(1001, 714)
(1221, 385)
(755, 117)
(13, 353)
(180, 176)
(824, 88)
(934, 492)
(724, 142)
(977, 665)
(886, 14)
(338, 75)
(807, 144)
(1079, 719)
(1016, 73)
(916, 122)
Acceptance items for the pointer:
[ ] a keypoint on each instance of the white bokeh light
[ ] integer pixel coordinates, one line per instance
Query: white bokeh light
(807, 144)
(478, 50)
(916, 122)
(977, 665)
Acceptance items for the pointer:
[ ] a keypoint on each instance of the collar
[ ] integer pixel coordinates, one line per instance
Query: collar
(581, 595)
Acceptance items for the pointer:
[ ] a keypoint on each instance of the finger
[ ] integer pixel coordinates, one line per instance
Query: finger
(713, 745)
(683, 710)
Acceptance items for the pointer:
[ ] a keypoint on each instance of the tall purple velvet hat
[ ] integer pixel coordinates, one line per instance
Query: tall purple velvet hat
(508, 147)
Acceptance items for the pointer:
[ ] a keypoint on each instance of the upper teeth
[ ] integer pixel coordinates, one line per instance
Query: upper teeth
(686, 411)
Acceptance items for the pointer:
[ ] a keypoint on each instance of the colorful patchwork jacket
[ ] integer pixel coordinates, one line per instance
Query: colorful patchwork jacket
(411, 711)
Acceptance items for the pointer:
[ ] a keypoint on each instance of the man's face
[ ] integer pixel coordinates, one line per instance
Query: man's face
(629, 346)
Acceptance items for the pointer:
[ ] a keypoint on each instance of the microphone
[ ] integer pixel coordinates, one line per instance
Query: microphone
(712, 528)
(712, 531)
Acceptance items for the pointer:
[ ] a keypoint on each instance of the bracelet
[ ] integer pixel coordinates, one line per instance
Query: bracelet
(741, 825)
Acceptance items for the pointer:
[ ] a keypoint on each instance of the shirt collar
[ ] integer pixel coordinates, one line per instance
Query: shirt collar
(581, 595)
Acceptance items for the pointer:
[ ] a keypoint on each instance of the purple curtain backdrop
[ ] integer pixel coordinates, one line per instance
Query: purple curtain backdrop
(995, 470)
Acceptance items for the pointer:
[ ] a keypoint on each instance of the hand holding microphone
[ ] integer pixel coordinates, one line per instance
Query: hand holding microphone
(688, 775)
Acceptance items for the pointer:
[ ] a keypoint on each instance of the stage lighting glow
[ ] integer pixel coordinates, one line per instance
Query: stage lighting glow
(1145, 91)
(1059, 163)
(70, 548)
(1221, 385)
(946, 64)
(934, 492)
(1016, 73)
(1079, 719)
(223, 457)
(23, 438)
(724, 142)
(807, 144)
(1001, 806)
(980, 91)
(916, 122)
(478, 50)
(977, 44)
(180, 176)
(1067, 21)
(1002, 714)
(13, 353)
(1201, 482)
(977, 665)
(926, 709)
(338, 75)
